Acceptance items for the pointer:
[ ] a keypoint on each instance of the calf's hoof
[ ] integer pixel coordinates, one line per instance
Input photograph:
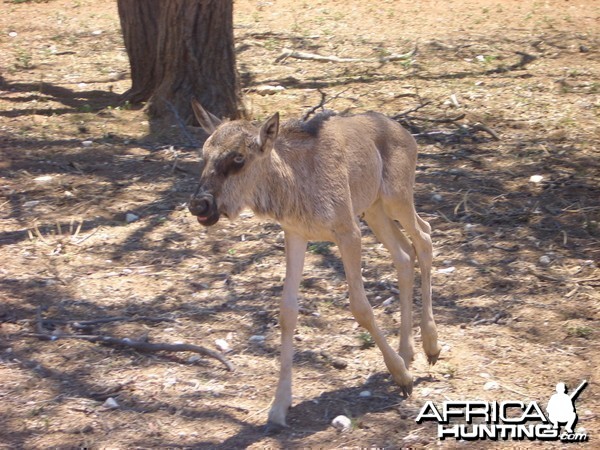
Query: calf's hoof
(274, 427)
(405, 383)
(433, 357)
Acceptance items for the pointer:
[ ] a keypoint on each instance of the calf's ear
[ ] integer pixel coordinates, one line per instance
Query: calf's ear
(268, 133)
(207, 121)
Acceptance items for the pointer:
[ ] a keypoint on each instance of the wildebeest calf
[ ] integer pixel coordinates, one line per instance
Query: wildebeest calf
(316, 178)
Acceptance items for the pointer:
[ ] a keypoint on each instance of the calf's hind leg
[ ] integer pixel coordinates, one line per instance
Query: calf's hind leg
(403, 257)
(349, 242)
(418, 230)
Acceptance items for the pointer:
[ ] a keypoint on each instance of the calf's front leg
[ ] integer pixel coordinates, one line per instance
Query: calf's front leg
(295, 249)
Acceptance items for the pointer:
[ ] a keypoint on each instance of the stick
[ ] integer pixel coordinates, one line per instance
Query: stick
(438, 120)
(289, 53)
(413, 109)
(87, 323)
(141, 346)
(481, 127)
(186, 133)
(322, 103)
(314, 108)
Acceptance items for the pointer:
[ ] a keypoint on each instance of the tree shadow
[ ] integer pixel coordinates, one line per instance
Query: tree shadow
(74, 101)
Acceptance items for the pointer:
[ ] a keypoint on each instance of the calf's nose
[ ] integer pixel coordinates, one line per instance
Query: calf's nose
(200, 204)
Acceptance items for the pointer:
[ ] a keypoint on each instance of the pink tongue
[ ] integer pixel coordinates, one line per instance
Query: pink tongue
(201, 218)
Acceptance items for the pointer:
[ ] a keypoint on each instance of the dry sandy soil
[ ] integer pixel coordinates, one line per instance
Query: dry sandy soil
(516, 269)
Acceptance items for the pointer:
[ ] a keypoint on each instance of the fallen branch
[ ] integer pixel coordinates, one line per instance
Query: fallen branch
(481, 127)
(322, 103)
(438, 120)
(404, 114)
(289, 53)
(139, 345)
(89, 323)
(526, 58)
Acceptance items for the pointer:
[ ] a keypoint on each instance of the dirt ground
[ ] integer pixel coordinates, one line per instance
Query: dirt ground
(94, 225)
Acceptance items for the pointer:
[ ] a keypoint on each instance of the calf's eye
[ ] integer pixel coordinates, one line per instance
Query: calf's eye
(238, 159)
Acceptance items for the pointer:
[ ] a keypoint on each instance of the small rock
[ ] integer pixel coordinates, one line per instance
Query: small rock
(257, 339)
(544, 260)
(87, 143)
(447, 270)
(222, 345)
(130, 217)
(110, 403)
(43, 179)
(193, 359)
(13, 34)
(269, 90)
(387, 302)
(31, 203)
(437, 198)
(491, 386)
(97, 32)
(342, 423)
(536, 179)
(339, 363)
(584, 49)
(365, 394)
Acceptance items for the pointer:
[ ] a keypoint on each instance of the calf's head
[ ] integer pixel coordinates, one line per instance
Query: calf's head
(234, 155)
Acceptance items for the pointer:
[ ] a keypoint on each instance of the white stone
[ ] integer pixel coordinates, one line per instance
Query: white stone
(491, 386)
(365, 394)
(544, 260)
(130, 217)
(110, 403)
(87, 143)
(388, 302)
(342, 423)
(536, 179)
(222, 345)
(257, 339)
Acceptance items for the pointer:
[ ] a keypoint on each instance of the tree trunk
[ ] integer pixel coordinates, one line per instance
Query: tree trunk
(139, 22)
(180, 50)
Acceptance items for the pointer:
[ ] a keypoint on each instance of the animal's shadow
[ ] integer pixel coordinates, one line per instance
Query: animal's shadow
(314, 415)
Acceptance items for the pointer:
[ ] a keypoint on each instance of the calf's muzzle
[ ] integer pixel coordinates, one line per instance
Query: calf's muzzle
(204, 207)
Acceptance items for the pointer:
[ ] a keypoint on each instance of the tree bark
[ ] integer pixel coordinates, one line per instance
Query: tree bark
(180, 50)
(139, 22)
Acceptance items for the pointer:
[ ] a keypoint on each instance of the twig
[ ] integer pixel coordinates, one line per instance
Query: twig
(138, 345)
(404, 114)
(438, 120)
(314, 108)
(289, 53)
(87, 323)
(181, 124)
(82, 240)
(322, 103)
(481, 127)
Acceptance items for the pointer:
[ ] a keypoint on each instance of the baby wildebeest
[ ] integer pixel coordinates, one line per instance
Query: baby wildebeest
(316, 178)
